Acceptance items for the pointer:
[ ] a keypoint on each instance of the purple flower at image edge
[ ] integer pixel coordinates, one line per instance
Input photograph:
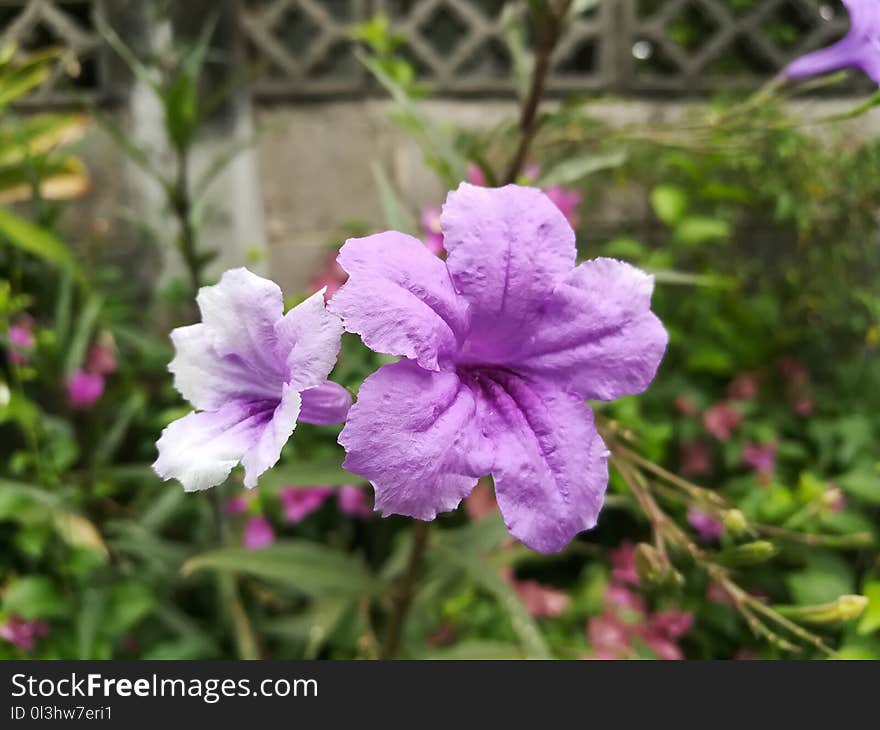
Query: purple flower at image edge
(258, 533)
(21, 342)
(84, 389)
(501, 344)
(705, 525)
(859, 48)
(23, 633)
(252, 372)
(299, 502)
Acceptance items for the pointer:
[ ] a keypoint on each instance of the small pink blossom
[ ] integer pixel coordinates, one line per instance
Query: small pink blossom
(803, 407)
(663, 648)
(237, 505)
(23, 633)
(432, 236)
(721, 420)
(705, 525)
(331, 275)
(101, 358)
(760, 457)
(475, 175)
(354, 502)
(696, 458)
(568, 201)
(673, 624)
(258, 533)
(685, 405)
(21, 342)
(623, 564)
(792, 370)
(541, 601)
(716, 593)
(480, 502)
(84, 389)
(743, 387)
(609, 636)
(834, 498)
(299, 503)
(620, 597)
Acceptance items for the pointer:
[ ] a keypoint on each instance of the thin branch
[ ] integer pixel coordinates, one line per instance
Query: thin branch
(406, 589)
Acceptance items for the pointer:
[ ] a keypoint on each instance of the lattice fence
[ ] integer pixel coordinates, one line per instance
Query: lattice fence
(302, 48)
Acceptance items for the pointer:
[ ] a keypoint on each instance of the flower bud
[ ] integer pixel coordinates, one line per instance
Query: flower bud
(734, 521)
(749, 553)
(653, 567)
(5, 395)
(844, 608)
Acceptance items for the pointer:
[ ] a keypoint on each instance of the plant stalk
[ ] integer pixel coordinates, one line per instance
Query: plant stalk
(406, 590)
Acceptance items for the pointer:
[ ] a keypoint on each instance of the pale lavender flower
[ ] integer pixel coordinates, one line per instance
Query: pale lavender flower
(252, 372)
(502, 344)
(859, 48)
(258, 533)
(299, 502)
(354, 502)
(84, 389)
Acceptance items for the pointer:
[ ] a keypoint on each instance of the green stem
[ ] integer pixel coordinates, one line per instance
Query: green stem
(406, 590)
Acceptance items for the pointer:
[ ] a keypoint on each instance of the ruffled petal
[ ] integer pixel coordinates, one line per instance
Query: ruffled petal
(308, 342)
(266, 450)
(200, 449)
(325, 405)
(551, 465)
(508, 247)
(848, 52)
(597, 336)
(415, 436)
(399, 299)
(231, 354)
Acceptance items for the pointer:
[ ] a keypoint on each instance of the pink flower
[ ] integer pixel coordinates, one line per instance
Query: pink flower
(705, 525)
(743, 387)
(567, 200)
(481, 502)
(685, 405)
(609, 636)
(432, 236)
(258, 533)
(475, 174)
(354, 502)
(623, 564)
(761, 458)
(672, 624)
(792, 370)
(299, 503)
(531, 172)
(237, 505)
(618, 597)
(803, 407)
(663, 648)
(834, 498)
(716, 593)
(696, 457)
(21, 341)
(721, 420)
(23, 633)
(331, 275)
(101, 358)
(84, 389)
(539, 600)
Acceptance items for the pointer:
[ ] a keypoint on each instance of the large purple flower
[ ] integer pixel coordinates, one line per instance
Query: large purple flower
(502, 343)
(859, 48)
(252, 372)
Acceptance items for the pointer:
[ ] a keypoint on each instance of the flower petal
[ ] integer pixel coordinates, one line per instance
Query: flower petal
(325, 405)
(230, 355)
(399, 299)
(847, 52)
(309, 338)
(508, 247)
(551, 466)
(414, 434)
(264, 454)
(597, 336)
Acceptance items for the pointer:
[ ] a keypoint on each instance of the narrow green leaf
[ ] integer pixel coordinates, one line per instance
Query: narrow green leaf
(397, 217)
(572, 170)
(38, 242)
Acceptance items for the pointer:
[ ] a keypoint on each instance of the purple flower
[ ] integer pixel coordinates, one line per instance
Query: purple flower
(354, 502)
(84, 389)
(252, 372)
(705, 525)
(23, 633)
(21, 342)
(237, 505)
(502, 344)
(299, 502)
(475, 174)
(721, 420)
(258, 533)
(101, 358)
(859, 48)
(761, 458)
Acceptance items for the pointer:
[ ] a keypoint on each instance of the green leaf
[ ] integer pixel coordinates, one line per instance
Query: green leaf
(309, 474)
(475, 650)
(699, 229)
(871, 617)
(38, 242)
(310, 568)
(33, 597)
(669, 203)
(826, 577)
(575, 169)
(863, 482)
(397, 217)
